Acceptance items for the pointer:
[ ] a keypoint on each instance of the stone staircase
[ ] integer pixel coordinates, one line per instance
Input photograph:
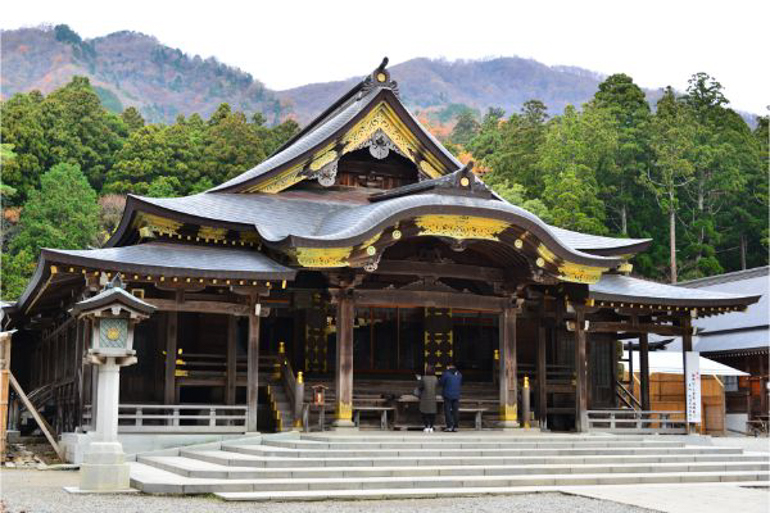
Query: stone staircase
(331, 466)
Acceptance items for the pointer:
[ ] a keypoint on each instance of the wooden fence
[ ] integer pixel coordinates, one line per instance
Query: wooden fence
(177, 418)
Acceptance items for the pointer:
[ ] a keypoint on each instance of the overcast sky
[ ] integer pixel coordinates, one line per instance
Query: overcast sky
(287, 43)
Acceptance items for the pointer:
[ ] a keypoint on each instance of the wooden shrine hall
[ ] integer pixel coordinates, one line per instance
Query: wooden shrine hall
(358, 253)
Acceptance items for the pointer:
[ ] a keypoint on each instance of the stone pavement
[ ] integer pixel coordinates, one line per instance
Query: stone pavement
(701, 498)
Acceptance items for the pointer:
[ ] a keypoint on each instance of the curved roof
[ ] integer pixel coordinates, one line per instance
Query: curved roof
(616, 287)
(169, 258)
(276, 217)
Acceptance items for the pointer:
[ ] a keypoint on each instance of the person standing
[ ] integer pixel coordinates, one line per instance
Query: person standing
(427, 387)
(451, 382)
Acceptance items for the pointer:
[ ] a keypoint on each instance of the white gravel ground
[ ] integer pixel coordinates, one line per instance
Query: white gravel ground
(32, 491)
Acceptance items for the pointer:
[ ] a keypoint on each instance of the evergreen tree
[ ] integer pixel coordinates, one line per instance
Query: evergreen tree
(62, 213)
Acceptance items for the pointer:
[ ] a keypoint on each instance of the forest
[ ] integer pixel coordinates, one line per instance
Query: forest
(688, 173)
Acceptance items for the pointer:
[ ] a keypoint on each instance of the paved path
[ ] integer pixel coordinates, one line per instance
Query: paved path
(32, 491)
(705, 498)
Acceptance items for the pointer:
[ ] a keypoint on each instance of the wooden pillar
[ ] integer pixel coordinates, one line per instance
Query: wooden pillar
(5, 388)
(79, 353)
(172, 335)
(644, 370)
(508, 377)
(581, 373)
(542, 376)
(252, 363)
(343, 371)
(686, 324)
(232, 348)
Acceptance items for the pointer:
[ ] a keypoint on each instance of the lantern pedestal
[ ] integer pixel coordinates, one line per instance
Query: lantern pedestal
(113, 313)
(104, 465)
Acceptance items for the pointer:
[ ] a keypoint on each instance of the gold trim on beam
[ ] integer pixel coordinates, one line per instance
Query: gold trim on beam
(460, 227)
(323, 257)
(570, 271)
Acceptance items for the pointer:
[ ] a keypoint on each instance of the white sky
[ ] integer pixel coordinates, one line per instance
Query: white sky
(287, 43)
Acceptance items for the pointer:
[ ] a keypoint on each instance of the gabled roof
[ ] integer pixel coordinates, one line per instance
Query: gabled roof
(112, 295)
(325, 131)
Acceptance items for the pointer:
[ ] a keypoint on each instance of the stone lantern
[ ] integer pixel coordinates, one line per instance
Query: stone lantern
(113, 314)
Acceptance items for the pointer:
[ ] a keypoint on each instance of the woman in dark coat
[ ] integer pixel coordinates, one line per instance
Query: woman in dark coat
(427, 387)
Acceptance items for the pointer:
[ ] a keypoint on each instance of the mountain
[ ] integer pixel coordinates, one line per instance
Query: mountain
(129, 69)
(133, 69)
(429, 84)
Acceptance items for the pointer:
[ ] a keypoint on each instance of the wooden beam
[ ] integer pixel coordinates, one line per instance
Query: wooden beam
(465, 272)
(364, 297)
(5, 375)
(508, 375)
(252, 365)
(644, 370)
(581, 373)
(44, 427)
(214, 307)
(232, 347)
(625, 327)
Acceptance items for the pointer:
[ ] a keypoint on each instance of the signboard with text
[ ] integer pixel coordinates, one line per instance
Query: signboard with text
(692, 386)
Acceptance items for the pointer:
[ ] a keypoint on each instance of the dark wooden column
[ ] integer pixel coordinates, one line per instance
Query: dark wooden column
(232, 347)
(508, 377)
(343, 370)
(252, 363)
(686, 324)
(172, 335)
(542, 376)
(644, 370)
(581, 372)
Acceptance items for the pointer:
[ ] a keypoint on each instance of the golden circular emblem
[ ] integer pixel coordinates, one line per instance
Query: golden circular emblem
(540, 262)
(396, 234)
(371, 250)
(464, 181)
(113, 333)
(381, 77)
(518, 243)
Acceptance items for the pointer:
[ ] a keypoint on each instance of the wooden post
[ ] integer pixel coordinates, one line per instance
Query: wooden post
(686, 324)
(581, 372)
(508, 377)
(252, 358)
(644, 370)
(542, 378)
(172, 333)
(5, 389)
(343, 375)
(232, 348)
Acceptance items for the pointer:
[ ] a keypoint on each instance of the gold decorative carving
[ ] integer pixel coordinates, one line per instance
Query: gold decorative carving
(323, 257)
(280, 182)
(211, 233)
(158, 225)
(509, 412)
(428, 169)
(460, 227)
(570, 271)
(343, 411)
(322, 159)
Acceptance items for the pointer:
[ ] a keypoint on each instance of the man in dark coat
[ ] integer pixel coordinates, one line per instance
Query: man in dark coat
(451, 381)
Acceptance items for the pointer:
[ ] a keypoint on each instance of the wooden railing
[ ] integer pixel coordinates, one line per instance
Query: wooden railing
(630, 421)
(177, 418)
(295, 390)
(626, 396)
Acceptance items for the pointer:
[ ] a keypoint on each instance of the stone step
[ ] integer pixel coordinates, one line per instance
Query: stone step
(264, 450)
(153, 481)
(239, 459)
(427, 443)
(416, 493)
(188, 467)
(475, 436)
